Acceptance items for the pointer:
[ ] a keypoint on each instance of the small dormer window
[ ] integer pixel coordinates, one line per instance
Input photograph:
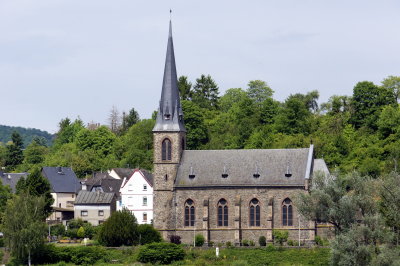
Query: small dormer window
(256, 173)
(191, 173)
(225, 173)
(288, 172)
(167, 116)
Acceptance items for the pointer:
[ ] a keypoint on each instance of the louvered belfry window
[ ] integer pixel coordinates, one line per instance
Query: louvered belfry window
(189, 213)
(287, 213)
(166, 150)
(223, 213)
(254, 212)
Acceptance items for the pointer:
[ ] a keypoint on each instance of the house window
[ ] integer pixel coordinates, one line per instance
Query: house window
(144, 187)
(287, 213)
(130, 201)
(254, 212)
(144, 217)
(101, 213)
(166, 150)
(130, 187)
(73, 195)
(189, 213)
(84, 213)
(100, 222)
(144, 201)
(222, 213)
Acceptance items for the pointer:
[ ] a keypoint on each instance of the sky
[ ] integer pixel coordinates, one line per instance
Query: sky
(73, 58)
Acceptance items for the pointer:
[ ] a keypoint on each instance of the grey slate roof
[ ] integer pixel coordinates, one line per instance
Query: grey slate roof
(240, 165)
(320, 166)
(11, 179)
(123, 172)
(105, 181)
(64, 181)
(148, 176)
(170, 103)
(93, 198)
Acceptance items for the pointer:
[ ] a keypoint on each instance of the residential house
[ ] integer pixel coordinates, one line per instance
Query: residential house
(64, 188)
(11, 179)
(136, 195)
(94, 207)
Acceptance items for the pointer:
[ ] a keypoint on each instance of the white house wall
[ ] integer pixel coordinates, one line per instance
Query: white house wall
(132, 194)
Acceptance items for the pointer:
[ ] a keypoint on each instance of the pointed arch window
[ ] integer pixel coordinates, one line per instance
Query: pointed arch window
(223, 214)
(166, 150)
(254, 212)
(189, 213)
(287, 213)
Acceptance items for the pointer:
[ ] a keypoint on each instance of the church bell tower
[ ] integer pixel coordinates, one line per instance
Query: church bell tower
(169, 135)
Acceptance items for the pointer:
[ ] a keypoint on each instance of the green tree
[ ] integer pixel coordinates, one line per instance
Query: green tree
(68, 131)
(230, 97)
(119, 229)
(38, 186)
(137, 145)
(392, 83)
(185, 88)
(294, 117)
(259, 91)
(14, 154)
(34, 153)
(389, 120)
(129, 120)
(368, 100)
(195, 125)
(5, 194)
(3, 155)
(205, 92)
(23, 225)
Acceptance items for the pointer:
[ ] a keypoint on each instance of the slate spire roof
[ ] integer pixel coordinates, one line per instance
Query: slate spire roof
(170, 115)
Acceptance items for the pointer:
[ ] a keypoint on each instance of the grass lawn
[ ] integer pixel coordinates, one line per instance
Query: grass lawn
(228, 256)
(257, 256)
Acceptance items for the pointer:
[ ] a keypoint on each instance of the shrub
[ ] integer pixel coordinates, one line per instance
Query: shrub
(318, 241)
(280, 236)
(252, 243)
(147, 234)
(199, 240)
(175, 239)
(119, 229)
(58, 230)
(228, 244)
(210, 243)
(270, 247)
(90, 230)
(163, 253)
(262, 241)
(245, 242)
(81, 232)
(1, 242)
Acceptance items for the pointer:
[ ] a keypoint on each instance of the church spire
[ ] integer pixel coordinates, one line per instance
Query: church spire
(170, 115)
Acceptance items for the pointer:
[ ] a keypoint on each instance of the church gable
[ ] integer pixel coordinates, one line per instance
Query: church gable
(272, 167)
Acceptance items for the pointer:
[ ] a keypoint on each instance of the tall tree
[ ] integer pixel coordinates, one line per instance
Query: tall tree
(14, 155)
(206, 92)
(392, 83)
(5, 194)
(23, 225)
(68, 131)
(195, 126)
(129, 120)
(185, 88)
(368, 100)
(259, 91)
(293, 117)
(34, 153)
(114, 120)
(37, 185)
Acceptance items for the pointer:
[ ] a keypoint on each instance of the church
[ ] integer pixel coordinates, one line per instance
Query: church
(225, 195)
